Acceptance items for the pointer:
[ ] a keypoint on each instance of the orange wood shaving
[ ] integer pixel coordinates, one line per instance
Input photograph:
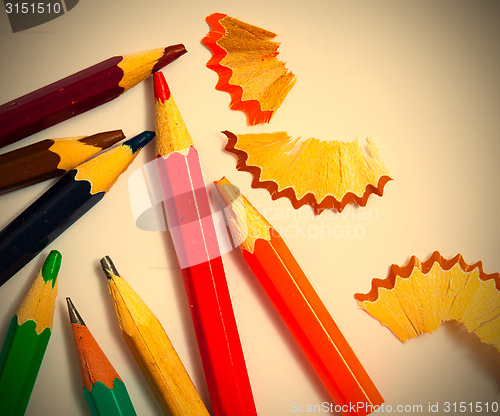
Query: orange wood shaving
(418, 297)
(244, 57)
(322, 174)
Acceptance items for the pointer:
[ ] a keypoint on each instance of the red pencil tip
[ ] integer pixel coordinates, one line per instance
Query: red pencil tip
(162, 92)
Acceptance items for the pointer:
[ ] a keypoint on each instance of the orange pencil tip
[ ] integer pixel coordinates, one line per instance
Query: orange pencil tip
(162, 92)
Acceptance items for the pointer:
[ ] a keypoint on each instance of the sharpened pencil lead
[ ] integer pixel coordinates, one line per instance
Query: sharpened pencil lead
(51, 267)
(74, 316)
(161, 89)
(171, 53)
(108, 267)
(138, 142)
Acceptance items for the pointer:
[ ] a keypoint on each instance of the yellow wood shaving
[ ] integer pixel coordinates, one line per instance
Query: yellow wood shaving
(322, 168)
(421, 302)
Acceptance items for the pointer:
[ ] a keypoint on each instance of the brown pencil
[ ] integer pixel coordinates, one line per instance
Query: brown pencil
(50, 158)
(80, 92)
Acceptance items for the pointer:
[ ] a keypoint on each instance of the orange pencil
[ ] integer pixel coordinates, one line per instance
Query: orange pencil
(103, 388)
(300, 307)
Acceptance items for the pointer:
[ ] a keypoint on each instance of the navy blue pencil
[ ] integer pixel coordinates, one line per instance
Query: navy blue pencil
(64, 203)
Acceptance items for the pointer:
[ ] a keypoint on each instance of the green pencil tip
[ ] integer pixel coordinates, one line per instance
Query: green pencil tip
(51, 267)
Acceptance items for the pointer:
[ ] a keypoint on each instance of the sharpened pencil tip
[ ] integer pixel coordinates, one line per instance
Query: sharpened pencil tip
(108, 267)
(170, 54)
(74, 316)
(228, 192)
(138, 142)
(103, 140)
(161, 89)
(51, 267)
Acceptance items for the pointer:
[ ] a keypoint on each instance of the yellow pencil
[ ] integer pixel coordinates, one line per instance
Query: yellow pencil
(152, 349)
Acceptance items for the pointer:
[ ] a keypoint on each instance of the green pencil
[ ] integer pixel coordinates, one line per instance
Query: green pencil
(103, 388)
(27, 338)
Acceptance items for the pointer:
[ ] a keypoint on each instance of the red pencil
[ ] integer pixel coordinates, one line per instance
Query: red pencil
(193, 233)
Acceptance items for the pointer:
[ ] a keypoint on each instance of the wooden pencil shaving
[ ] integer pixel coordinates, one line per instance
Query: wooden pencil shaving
(322, 174)
(244, 57)
(419, 297)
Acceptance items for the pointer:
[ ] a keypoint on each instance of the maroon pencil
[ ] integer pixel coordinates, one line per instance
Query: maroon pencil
(80, 92)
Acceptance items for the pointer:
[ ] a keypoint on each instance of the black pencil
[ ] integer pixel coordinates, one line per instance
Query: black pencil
(62, 204)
